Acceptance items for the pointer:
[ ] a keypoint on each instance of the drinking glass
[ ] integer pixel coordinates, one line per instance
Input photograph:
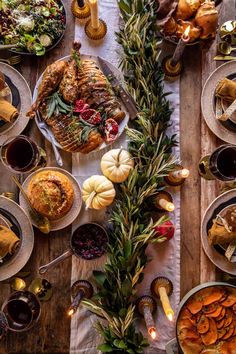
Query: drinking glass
(221, 164)
(21, 311)
(20, 154)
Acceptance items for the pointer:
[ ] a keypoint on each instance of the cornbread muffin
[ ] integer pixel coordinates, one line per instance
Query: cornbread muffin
(51, 194)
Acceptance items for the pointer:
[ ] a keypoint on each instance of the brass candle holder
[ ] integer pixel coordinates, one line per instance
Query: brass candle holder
(80, 9)
(178, 176)
(41, 288)
(17, 284)
(162, 288)
(146, 306)
(79, 290)
(164, 201)
(171, 71)
(96, 33)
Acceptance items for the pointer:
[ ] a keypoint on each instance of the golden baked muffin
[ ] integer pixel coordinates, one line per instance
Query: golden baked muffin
(51, 194)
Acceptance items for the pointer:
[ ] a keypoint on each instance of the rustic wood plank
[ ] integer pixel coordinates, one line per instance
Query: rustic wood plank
(190, 141)
(52, 334)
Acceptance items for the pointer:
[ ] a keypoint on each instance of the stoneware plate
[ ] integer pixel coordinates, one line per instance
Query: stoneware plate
(8, 130)
(118, 75)
(220, 203)
(76, 206)
(24, 230)
(208, 102)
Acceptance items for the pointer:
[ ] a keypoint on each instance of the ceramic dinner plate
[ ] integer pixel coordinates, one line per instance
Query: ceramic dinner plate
(216, 253)
(118, 75)
(21, 225)
(22, 90)
(224, 131)
(76, 206)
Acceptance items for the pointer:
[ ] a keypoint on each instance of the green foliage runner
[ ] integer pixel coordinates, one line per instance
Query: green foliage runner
(131, 221)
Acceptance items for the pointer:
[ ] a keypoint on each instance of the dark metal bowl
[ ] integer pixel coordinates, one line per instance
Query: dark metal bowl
(15, 51)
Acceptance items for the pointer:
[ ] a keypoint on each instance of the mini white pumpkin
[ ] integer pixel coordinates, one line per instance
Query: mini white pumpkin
(98, 192)
(116, 165)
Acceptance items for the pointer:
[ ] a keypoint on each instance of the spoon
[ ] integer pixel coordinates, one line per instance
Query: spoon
(225, 48)
(41, 221)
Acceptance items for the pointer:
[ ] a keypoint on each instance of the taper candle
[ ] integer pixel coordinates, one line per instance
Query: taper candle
(93, 4)
(162, 287)
(180, 47)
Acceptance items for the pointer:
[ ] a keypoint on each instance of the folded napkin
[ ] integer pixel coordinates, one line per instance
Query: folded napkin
(7, 111)
(8, 241)
(226, 89)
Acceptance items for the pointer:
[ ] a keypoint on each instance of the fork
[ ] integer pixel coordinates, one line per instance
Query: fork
(16, 59)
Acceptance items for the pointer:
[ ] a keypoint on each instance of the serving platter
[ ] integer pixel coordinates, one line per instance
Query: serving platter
(22, 96)
(22, 226)
(76, 206)
(208, 103)
(214, 253)
(118, 75)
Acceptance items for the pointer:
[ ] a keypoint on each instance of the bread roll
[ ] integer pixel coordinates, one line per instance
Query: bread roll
(8, 241)
(226, 89)
(51, 194)
(7, 111)
(187, 9)
(207, 19)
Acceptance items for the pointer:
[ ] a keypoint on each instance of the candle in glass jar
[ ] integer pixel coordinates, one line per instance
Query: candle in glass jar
(93, 4)
(180, 47)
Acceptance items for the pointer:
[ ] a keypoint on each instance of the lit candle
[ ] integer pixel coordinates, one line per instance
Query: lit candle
(93, 4)
(164, 201)
(79, 290)
(162, 287)
(182, 173)
(166, 303)
(146, 305)
(180, 47)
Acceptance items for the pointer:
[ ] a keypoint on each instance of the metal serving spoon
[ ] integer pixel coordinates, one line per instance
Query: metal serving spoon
(225, 48)
(41, 221)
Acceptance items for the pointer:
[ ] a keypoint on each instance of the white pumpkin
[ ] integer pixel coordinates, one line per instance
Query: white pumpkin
(116, 165)
(98, 192)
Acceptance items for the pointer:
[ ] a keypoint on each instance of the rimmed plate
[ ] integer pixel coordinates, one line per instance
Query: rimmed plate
(118, 75)
(208, 102)
(15, 128)
(72, 213)
(217, 206)
(24, 230)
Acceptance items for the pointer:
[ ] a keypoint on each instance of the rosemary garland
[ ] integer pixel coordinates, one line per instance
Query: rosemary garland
(131, 224)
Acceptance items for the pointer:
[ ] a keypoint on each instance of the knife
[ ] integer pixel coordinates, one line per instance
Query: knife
(224, 57)
(126, 99)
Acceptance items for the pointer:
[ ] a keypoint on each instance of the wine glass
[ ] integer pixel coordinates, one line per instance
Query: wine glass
(221, 164)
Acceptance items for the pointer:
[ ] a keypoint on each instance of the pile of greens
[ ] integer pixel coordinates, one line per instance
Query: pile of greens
(33, 25)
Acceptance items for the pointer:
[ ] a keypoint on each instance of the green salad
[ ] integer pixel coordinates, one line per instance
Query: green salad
(34, 25)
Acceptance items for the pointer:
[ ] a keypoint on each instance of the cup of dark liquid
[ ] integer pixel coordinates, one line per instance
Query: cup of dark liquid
(221, 164)
(21, 311)
(22, 155)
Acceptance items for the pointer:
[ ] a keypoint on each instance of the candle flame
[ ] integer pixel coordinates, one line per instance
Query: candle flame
(186, 33)
(71, 312)
(170, 206)
(170, 317)
(153, 333)
(185, 173)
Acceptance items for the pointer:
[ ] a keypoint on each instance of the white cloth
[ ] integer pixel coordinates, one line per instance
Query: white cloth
(165, 257)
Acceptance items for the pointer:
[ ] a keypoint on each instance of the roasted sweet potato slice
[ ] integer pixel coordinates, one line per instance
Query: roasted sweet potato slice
(216, 313)
(186, 314)
(234, 309)
(230, 301)
(220, 323)
(222, 314)
(210, 308)
(185, 323)
(228, 347)
(234, 328)
(209, 351)
(203, 325)
(188, 334)
(229, 332)
(221, 332)
(228, 318)
(194, 305)
(211, 336)
(213, 295)
(224, 296)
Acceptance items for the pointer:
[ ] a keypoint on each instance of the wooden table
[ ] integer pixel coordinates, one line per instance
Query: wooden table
(52, 334)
